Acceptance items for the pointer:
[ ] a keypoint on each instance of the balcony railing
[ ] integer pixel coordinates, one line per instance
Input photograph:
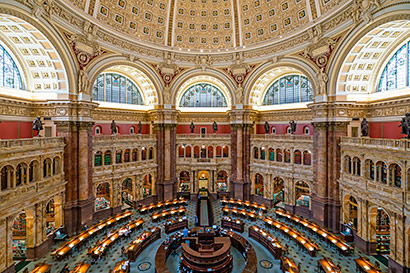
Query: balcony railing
(36, 141)
(201, 136)
(287, 138)
(380, 143)
(122, 138)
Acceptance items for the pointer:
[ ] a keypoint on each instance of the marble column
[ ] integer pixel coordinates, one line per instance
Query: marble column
(79, 199)
(326, 205)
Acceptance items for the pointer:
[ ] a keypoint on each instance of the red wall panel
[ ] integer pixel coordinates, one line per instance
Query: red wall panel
(281, 129)
(15, 129)
(124, 129)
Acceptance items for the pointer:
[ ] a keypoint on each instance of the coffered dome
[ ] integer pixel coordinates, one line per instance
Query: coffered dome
(204, 25)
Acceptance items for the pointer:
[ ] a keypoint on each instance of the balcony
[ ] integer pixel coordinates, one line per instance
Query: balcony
(377, 143)
(28, 143)
(123, 138)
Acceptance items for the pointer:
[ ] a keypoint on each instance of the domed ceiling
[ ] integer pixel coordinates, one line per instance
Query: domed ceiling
(208, 24)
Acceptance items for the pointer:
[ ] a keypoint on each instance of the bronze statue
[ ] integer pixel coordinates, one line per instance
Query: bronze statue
(139, 127)
(37, 125)
(405, 125)
(215, 126)
(292, 127)
(267, 127)
(364, 128)
(113, 128)
(192, 127)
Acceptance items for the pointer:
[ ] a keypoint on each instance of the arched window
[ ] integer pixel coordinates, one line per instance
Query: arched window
(132, 130)
(369, 165)
(184, 181)
(9, 73)
(271, 154)
(203, 151)
(6, 177)
(263, 153)
(356, 166)
(210, 152)
(107, 158)
(395, 75)
(118, 157)
(395, 175)
(47, 167)
(143, 153)
(56, 165)
(307, 158)
(348, 165)
(102, 200)
(188, 151)
(196, 152)
(97, 130)
(218, 151)
(112, 87)
(98, 159)
(151, 153)
(289, 89)
(135, 155)
(222, 181)
(181, 151)
(225, 151)
(255, 153)
(203, 95)
(302, 194)
(126, 156)
(21, 174)
(298, 157)
(274, 130)
(32, 171)
(287, 155)
(278, 155)
(381, 172)
(306, 130)
(259, 184)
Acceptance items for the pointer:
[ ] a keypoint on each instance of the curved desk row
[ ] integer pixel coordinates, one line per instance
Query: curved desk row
(303, 241)
(288, 265)
(85, 235)
(142, 241)
(102, 246)
(122, 266)
(176, 224)
(161, 205)
(342, 246)
(234, 224)
(81, 268)
(42, 268)
(166, 213)
(237, 202)
(267, 240)
(237, 212)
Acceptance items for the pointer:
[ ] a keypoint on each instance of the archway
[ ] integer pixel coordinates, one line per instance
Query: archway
(19, 236)
(147, 186)
(126, 192)
(184, 182)
(278, 193)
(222, 181)
(50, 217)
(351, 212)
(103, 197)
(259, 188)
(203, 180)
(302, 195)
(380, 230)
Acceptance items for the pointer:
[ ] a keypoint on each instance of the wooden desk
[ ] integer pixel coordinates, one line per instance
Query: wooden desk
(164, 250)
(311, 247)
(118, 267)
(328, 265)
(85, 235)
(363, 265)
(288, 265)
(267, 240)
(81, 268)
(142, 241)
(234, 224)
(242, 213)
(42, 268)
(342, 246)
(176, 224)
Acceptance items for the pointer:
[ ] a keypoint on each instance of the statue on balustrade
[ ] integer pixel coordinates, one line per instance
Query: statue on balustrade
(215, 126)
(113, 128)
(267, 127)
(292, 124)
(139, 127)
(364, 128)
(405, 125)
(38, 125)
(192, 127)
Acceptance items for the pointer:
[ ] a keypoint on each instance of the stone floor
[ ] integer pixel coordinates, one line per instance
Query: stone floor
(145, 261)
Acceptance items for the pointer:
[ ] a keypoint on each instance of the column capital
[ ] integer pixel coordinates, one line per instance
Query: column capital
(74, 125)
(242, 116)
(73, 110)
(163, 116)
(331, 111)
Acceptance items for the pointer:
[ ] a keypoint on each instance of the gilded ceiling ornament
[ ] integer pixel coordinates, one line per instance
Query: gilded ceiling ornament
(84, 49)
(320, 52)
(239, 70)
(167, 69)
(362, 9)
(203, 62)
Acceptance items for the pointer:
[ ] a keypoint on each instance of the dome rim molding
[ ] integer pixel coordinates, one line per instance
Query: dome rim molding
(66, 13)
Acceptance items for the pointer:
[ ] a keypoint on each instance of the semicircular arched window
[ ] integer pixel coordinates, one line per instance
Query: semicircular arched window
(203, 95)
(112, 87)
(396, 73)
(289, 89)
(9, 73)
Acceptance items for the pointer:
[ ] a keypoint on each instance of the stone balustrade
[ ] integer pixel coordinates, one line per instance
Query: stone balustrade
(378, 143)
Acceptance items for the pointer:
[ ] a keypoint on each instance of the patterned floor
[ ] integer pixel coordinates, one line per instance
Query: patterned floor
(145, 262)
